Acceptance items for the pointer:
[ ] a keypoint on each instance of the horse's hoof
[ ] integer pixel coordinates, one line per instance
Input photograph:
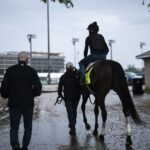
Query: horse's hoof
(95, 133)
(101, 137)
(87, 126)
(128, 141)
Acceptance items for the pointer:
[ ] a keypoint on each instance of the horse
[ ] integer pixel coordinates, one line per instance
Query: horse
(108, 75)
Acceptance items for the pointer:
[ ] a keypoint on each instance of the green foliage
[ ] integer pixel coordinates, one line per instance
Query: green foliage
(132, 68)
(146, 3)
(68, 3)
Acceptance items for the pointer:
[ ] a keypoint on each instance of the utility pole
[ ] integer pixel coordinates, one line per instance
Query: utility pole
(141, 46)
(48, 42)
(30, 36)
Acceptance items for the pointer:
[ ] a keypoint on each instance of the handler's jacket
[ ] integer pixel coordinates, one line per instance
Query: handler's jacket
(69, 85)
(20, 85)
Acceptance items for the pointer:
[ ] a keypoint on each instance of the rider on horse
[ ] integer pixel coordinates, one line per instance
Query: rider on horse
(98, 48)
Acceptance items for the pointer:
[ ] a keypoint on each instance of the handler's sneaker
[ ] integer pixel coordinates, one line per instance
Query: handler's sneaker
(72, 131)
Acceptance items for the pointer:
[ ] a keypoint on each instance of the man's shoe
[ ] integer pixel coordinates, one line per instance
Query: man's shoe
(24, 148)
(16, 147)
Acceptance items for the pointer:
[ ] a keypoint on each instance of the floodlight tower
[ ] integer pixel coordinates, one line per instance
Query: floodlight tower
(110, 44)
(30, 36)
(74, 40)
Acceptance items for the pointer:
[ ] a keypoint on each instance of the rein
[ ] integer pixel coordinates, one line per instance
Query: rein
(90, 90)
(91, 93)
(91, 100)
(59, 100)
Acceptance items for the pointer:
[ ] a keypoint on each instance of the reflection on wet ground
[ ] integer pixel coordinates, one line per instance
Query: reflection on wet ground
(50, 128)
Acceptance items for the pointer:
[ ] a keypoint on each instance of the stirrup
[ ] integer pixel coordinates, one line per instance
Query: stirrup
(82, 81)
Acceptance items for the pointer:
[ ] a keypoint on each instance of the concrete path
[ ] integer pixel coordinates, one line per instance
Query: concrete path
(50, 127)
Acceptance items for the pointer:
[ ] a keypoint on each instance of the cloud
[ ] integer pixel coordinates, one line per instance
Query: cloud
(126, 21)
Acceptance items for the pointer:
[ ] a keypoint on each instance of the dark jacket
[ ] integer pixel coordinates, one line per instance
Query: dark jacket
(97, 44)
(69, 85)
(20, 85)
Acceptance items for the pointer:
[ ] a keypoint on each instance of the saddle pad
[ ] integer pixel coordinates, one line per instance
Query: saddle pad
(87, 75)
(91, 64)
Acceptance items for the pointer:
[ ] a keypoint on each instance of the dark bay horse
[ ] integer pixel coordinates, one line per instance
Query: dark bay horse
(107, 75)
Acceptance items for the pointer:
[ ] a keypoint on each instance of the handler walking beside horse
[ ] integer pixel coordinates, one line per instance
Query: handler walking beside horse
(69, 89)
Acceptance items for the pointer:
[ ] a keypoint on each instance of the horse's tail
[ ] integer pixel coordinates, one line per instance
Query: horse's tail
(124, 94)
(133, 112)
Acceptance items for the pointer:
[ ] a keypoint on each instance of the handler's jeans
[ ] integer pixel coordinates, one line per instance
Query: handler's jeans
(89, 59)
(71, 107)
(15, 116)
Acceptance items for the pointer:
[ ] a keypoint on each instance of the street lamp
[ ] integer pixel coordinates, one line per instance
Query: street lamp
(110, 44)
(141, 46)
(74, 40)
(30, 36)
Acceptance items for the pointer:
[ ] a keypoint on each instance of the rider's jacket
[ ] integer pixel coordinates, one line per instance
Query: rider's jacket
(97, 44)
(69, 85)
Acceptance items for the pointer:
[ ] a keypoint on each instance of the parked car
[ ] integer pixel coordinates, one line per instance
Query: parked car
(143, 76)
(130, 76)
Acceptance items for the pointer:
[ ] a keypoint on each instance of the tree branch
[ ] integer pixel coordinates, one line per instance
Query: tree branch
(68, 3)
(146, 4)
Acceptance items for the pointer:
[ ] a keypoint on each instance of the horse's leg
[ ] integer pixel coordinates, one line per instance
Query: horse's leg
(128, 127)
(104, 118)
(123, 98)
(96, 112)
(85, 98)
(128, 130)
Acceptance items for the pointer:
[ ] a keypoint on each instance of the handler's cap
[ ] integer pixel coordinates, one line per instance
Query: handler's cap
(22, 56)
(69, 65)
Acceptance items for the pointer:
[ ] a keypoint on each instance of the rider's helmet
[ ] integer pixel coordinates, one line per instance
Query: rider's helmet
(93, 27)
(69, 65)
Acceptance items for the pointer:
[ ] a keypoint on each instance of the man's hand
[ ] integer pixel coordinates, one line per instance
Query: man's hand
(61, 96)
(59, 99)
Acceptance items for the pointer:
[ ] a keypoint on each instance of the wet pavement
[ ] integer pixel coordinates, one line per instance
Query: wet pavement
(51, 132)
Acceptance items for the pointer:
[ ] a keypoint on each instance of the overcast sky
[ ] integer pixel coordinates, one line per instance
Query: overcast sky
(125, 21)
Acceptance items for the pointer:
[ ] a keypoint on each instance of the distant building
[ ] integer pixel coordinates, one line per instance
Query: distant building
(146, 58)
(39, 61)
